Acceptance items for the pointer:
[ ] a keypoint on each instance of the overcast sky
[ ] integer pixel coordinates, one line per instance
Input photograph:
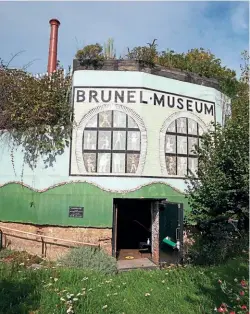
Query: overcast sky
(222, 27)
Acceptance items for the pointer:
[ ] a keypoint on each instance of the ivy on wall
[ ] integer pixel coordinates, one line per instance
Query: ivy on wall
(35, 113)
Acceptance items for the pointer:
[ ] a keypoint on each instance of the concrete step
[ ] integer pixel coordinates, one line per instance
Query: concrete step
(138, 263)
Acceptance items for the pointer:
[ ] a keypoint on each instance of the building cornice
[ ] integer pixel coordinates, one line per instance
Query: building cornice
(133, 65)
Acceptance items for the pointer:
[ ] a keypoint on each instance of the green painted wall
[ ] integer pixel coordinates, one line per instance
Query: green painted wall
(22, 204)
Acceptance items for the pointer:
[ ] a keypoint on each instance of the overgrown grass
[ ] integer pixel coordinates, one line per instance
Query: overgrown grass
(171, 291)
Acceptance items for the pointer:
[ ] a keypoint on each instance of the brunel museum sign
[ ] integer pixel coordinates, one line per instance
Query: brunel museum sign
(142, 96)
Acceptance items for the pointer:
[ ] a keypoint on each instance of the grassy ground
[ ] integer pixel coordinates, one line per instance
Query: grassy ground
(171, 291)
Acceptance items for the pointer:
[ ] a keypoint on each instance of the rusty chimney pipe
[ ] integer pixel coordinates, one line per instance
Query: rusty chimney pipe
(52, 59)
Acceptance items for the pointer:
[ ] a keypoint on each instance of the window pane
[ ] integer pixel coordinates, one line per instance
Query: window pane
(134, 140)
(192, 141)
(171, 127)
(171, 165)
(132, 124)
(181, 166)
(182, 125)
(132, 162)
(192, 127)
(119, 119)
(119, 140)
(193, 164)
(104, 140)
(92, 122)
(90, 162)
(89, 140)
(182, 145)
(103, 163)
(170, 143)
(105, 119)
(118, 163)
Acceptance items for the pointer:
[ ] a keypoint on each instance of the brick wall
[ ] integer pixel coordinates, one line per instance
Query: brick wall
(49, 248)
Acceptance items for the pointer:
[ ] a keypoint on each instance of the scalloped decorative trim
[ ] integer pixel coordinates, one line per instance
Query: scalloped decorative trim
(92, 183)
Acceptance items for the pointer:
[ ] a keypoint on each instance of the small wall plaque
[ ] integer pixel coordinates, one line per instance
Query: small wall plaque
(76, 212)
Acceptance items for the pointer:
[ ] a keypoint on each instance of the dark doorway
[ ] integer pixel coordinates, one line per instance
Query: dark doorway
(133, 224)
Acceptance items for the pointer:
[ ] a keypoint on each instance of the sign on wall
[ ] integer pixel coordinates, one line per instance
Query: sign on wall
(76, 212)
(137, 132)
(146, 97)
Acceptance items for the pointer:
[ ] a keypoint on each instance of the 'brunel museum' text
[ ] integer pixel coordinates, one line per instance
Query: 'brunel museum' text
(141, 96)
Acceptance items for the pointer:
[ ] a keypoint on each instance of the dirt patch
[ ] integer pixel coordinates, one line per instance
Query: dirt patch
(22, 258)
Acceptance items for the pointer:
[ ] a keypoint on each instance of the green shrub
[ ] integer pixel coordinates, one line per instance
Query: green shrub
(216, 244)
(91, 56)
(146, 55)
(89, 258)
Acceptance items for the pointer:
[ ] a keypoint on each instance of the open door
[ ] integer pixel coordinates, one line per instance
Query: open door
(114, 231)
(170, 232)
(132, 228)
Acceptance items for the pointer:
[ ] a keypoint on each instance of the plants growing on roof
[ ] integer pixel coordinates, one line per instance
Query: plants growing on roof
(91, 56)
(146, 55)
(109, 52)
(197, 60)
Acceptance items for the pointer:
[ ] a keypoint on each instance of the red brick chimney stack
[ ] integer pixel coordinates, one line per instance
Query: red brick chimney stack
(52, 59)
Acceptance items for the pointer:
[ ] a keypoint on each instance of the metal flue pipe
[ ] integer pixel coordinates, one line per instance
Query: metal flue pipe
(52, 59)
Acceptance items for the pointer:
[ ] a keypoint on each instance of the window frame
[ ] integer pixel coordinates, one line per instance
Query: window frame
(111, 151)
(187, 135)
(162, 140)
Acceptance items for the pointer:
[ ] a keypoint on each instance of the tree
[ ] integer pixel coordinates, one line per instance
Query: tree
(222, 189)
(219, 198)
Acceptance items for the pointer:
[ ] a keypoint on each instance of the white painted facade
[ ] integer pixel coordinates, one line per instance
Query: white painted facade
(151, 122)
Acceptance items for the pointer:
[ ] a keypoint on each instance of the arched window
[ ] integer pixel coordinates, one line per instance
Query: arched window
(111, 143)
(181, 136)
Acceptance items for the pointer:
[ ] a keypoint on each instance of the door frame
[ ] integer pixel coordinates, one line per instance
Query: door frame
(153, 201)
(115, 214)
